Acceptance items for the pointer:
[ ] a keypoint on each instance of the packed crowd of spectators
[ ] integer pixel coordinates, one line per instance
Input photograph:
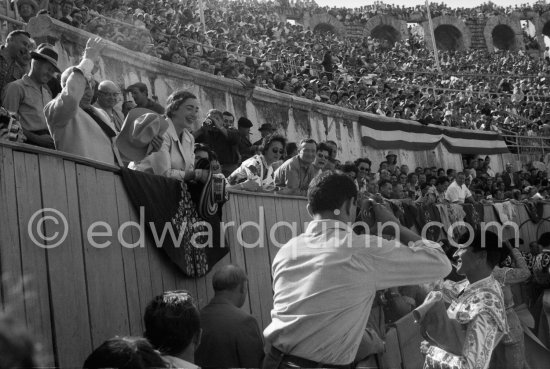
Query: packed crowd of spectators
(418, 12)
(503, 91)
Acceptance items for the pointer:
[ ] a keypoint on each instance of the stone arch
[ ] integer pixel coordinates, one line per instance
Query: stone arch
(386, 27)
(543, 24)
(503, 32)
(451, 33)
(542, 27)
(327, 22)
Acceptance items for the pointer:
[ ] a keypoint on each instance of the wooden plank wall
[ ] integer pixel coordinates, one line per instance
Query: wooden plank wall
(77, 295)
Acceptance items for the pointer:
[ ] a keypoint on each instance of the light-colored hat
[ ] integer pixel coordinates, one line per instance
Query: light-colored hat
(391, 153)
(139, 128)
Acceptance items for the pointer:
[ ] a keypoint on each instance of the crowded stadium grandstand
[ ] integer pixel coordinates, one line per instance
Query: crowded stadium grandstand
(276, 184)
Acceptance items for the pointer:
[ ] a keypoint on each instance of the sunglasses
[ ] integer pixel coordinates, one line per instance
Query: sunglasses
(112, 94)
(275, 151)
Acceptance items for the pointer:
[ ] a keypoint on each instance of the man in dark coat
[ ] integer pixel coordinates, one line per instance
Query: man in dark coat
(231, 337)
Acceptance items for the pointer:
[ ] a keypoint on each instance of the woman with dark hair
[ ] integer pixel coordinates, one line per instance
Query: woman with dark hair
(125, 353)
(176, 157)
(257, 173)
(172, 325)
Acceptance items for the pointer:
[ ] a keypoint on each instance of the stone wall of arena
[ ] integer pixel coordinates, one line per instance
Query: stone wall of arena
(449, 30)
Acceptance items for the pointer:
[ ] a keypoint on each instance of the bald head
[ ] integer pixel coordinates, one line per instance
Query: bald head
(229, 277)
(107, 94)
(108, 86)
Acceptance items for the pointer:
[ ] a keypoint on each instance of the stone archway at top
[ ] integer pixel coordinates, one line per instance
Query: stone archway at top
(326, 22)
(451, 33)
(503, 33)
(542, 28)
(546, 27)
(386, 28)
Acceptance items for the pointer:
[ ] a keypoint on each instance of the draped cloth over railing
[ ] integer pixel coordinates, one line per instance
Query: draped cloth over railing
(408, 135)
(170, 211)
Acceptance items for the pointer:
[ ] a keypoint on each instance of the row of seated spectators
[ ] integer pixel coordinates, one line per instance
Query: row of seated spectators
(503, 91)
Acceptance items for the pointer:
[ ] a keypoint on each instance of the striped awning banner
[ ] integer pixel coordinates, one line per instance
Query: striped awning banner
(385, 133)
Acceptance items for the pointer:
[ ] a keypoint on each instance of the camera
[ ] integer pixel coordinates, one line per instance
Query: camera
(209, 123)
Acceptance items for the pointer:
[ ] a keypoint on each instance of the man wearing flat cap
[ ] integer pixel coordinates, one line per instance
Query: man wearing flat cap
(28, 96)
(265, 130)
(246, 149)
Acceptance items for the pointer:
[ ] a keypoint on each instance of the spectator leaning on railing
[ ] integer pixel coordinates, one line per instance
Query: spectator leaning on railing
(28, 96)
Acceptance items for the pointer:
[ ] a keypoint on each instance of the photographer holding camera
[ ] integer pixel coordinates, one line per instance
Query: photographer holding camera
(219, 139)
(325, 279)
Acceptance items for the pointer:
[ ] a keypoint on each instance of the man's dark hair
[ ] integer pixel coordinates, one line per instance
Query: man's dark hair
(486, 241)
(349, 168)
(125, 353)
(18, 32)
(329, 190)
(175, 100)
(228, 113)
(362, 160)
(267, 140)
(228, 278)
(441, 180)
(383, 182)
(171, 322)
(324, 147)
(306, 141)
(449, 171)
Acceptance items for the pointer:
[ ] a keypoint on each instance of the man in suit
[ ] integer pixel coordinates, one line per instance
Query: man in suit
(231, 337)
(511, 180)
(108, 94)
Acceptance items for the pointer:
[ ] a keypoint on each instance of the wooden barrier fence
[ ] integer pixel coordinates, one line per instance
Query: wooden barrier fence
(78, 294)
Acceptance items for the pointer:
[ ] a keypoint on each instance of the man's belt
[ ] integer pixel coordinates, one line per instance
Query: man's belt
(304, 363)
